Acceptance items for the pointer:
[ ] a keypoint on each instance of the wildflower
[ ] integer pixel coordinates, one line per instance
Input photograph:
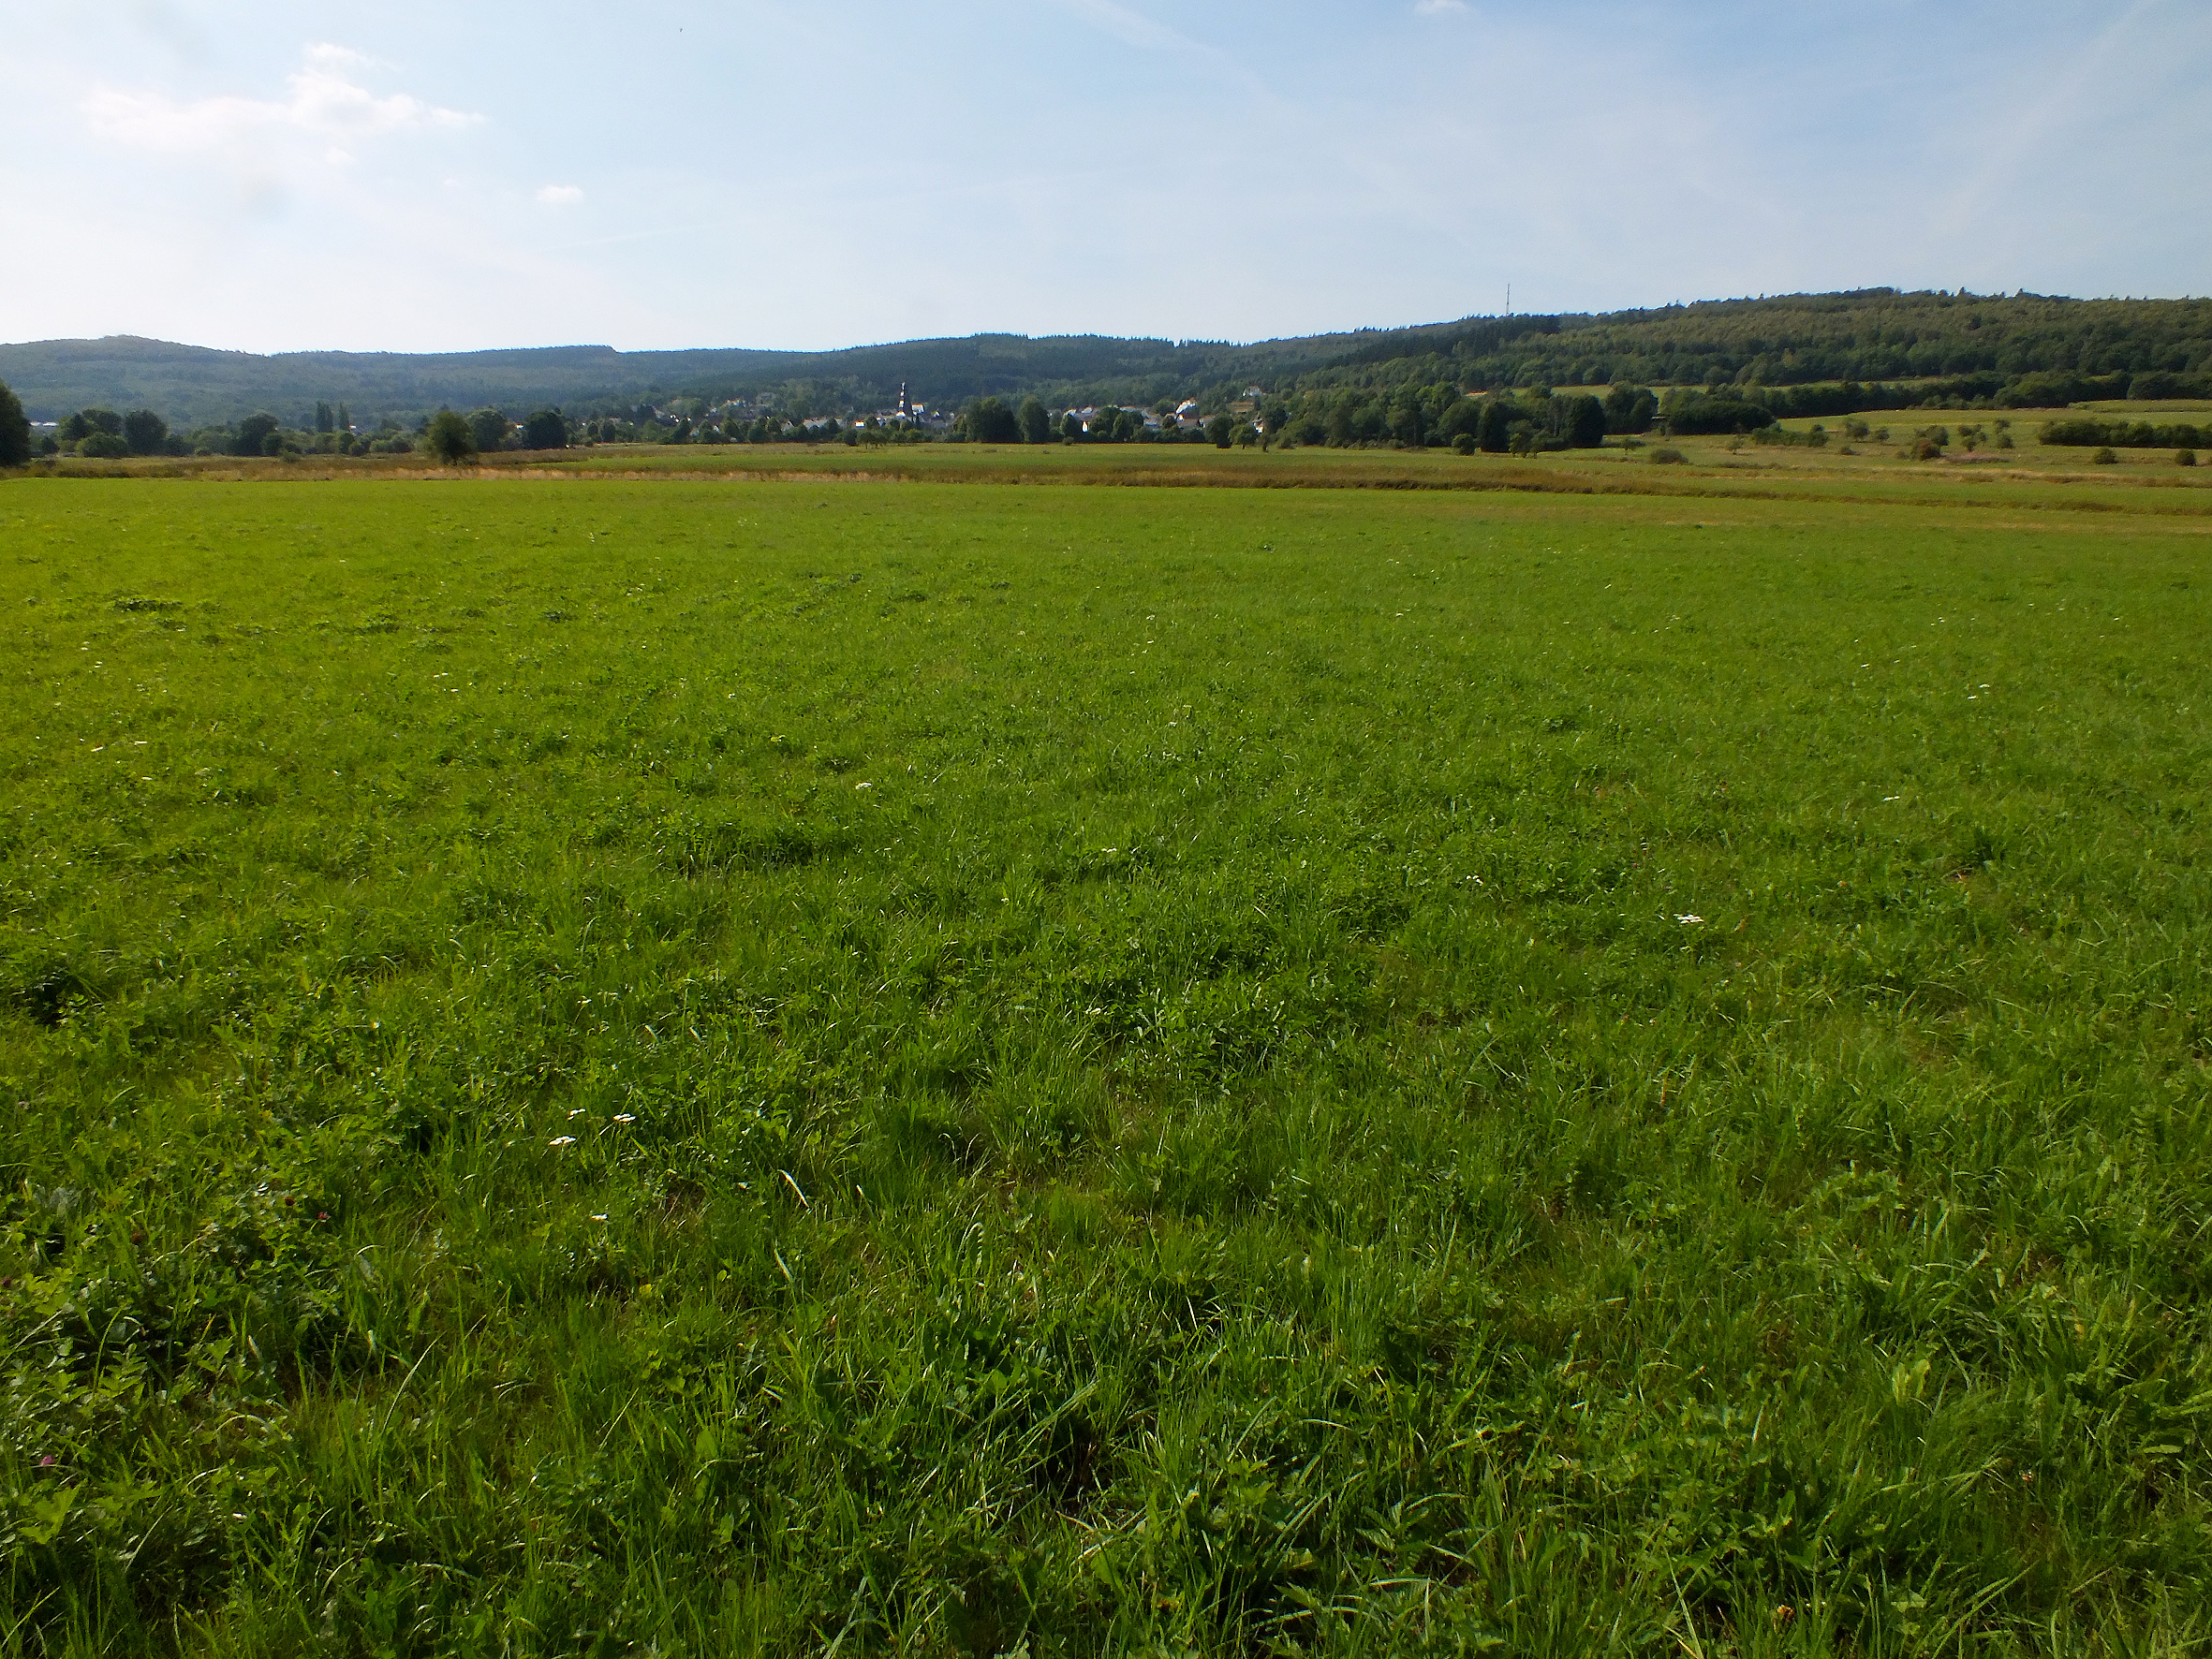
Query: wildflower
(1690, 922)
(562, 1140)
(623, 1117)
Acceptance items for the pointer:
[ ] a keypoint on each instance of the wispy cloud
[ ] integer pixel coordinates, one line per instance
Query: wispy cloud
(559, 195)
(1437, 7)
(1130, 26)
(323, 102)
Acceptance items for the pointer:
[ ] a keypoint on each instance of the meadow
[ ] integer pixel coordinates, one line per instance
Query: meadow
(696, 1066)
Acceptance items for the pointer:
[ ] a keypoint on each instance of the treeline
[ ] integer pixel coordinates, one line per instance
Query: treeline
(1901, 349)
(2127, 434)
(102, 434)
(1439, 415)
(1993, 341)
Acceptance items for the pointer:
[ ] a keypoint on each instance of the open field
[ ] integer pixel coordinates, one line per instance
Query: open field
(616, 1066)
(2032, 474)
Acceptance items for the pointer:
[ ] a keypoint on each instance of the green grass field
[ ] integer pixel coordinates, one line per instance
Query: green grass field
(815, 1066)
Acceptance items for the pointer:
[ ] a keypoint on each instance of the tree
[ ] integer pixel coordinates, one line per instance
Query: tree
(1629, 409)
(15, 429)
(489, 427)
(990, 421)
(450, 438)
(144, 432)
(1037, 426)
(254, 433)
(103, 446)
(1458, 421)
(1219, 431)
(1493, 426)
(547, 430)
(325, 418)
(1579, 418)
(105, 420)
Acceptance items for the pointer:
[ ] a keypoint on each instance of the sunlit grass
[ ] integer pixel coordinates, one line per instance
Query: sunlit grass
(648, 1067)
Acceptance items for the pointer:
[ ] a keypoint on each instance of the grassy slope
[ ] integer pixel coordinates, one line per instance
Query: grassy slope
(724, 1063)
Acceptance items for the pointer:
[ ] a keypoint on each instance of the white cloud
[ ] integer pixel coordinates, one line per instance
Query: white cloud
(559, 195)
(1437, 7)
(1130, 27)
(324, 54)
(323, 102)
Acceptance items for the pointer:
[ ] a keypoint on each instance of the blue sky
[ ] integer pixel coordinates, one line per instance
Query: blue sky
(405, 176)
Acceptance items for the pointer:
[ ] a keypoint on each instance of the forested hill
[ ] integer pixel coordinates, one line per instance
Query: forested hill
(2023, 349)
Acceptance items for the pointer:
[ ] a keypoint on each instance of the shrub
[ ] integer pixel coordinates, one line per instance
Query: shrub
(103, 446)
(1464, 444)
(1667, 456)
(2185, 458)
(2105, 456)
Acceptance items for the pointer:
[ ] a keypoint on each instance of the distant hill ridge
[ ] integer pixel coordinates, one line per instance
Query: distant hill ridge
(1985, 345)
